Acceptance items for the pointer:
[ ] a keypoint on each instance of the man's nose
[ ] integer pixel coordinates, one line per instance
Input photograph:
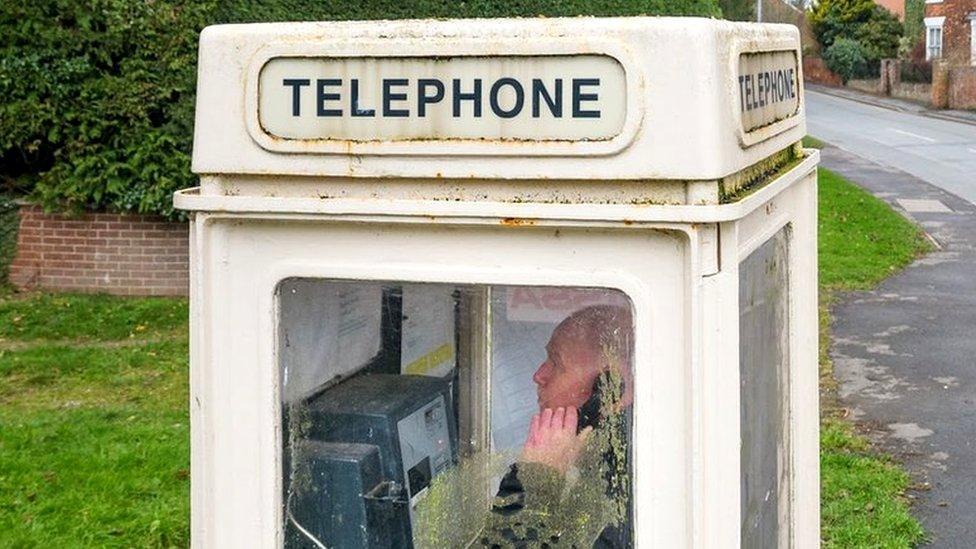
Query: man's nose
(541, 374)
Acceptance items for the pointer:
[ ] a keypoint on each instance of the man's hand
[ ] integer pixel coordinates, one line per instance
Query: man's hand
(553, 440)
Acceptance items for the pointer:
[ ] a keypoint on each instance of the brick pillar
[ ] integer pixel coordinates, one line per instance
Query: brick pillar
(893, 73)
(884, 78)
(940, 84)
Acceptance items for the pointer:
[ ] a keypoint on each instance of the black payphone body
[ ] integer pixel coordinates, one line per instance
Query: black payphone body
(370, 447)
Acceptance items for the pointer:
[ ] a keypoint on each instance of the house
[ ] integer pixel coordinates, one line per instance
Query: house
(897, 7)
(950, 31)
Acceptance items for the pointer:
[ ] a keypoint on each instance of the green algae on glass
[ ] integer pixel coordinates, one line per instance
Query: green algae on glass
(558, 510)
(454, 510)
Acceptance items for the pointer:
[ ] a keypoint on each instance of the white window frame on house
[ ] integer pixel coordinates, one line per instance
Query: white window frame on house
(933, 37)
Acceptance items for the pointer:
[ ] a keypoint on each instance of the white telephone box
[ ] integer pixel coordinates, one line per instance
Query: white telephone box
(503, 283)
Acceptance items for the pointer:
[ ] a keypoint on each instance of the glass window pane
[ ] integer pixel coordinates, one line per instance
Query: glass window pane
(763, 394)
(435, 415)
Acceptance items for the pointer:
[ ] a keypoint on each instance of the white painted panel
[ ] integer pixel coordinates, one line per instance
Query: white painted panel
(680, 109)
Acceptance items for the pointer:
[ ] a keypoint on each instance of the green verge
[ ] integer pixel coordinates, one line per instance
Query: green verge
(89, 317)
(811, 142)
(862, 241)
(94, 427)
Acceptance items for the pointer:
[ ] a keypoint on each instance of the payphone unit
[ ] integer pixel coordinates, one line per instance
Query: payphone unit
(370, 448)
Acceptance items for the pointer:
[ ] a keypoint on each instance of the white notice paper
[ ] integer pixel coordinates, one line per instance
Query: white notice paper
(427, 346)
(327, 329)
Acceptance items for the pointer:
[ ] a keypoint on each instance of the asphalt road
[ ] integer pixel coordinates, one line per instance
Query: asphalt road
(940, 152)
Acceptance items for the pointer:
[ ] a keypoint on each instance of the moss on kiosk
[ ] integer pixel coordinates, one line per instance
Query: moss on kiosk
(555, 510)
(741, 184)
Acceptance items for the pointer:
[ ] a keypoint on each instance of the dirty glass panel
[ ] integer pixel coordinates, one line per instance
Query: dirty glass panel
(764, 392)
(435, 415)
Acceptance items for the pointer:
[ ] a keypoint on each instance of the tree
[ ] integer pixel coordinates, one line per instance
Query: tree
(879, 35)
(846, 58)
(914, 21)
(833, 19)
(875, 29)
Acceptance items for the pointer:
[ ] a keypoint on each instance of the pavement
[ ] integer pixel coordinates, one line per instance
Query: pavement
(905, 353)
(938, 151)
(895, 104)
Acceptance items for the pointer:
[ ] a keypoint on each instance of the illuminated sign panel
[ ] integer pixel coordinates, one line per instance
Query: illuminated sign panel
(519, 98)
(768, 88)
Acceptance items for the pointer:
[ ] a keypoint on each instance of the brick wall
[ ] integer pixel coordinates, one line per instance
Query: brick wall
(816, 71)
(962, 88)
(953, 87)
(913, 91)
(780, 11)
(867, 85)
(122, 254)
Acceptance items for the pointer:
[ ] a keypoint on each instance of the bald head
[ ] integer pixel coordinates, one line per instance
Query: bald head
(589, 342)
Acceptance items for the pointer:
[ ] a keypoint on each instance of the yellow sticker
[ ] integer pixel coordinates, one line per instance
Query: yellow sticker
(431, 360)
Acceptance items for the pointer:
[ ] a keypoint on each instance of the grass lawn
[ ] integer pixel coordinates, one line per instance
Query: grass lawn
(94, 441)
(862, 241)
(94, 437)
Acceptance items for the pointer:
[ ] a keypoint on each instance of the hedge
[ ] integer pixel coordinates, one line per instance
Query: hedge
(98, 96)
(9, 223)
(915, 21)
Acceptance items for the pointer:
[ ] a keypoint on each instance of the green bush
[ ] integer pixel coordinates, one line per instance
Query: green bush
(846, 58)
(9, 223)
(98, 97)
(876, 29)
(98, 100)
(914, 21)
(879, 35)
(833, 19)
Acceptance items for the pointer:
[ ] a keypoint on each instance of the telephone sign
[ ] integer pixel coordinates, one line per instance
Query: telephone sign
(769, 88)
(532, 98)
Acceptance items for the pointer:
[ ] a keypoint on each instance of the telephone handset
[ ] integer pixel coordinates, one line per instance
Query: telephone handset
(589, 412)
